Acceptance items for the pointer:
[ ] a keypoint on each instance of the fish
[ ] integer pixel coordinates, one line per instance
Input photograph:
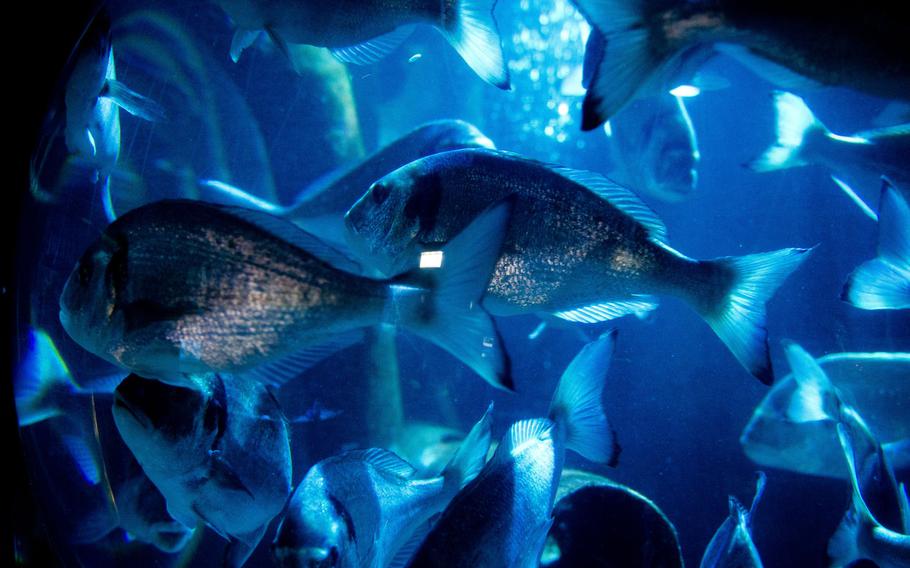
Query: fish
(502, 517)
(178, 287)
(88, 116)
(877, 524)
(321, 206)
(884, 282)
(732, 544)
(644, 45)
(427, 447)
(579, 246)
(599, 522)
(209, 453)
(654, 149)
(359, 509)
(364, 32)
(788, 429)
(802, 139)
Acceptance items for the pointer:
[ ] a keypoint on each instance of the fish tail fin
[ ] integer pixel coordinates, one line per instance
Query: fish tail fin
(472, 454)
(453, 317)
(40, 377)
(884, 282)
(795, 128)
(621, 55)
(745, 284)
(471, 28)
(577, 406)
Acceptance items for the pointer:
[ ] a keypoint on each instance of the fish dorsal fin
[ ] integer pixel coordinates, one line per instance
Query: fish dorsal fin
(375, 49)
(280, 371)
(596, 313)
(384, 461)
(814, 398)
(620, 197)
(894, 226)
(294, 235)
(521, 434)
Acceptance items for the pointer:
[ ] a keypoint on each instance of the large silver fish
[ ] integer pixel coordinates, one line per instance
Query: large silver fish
(789, 430)
(364, 31)
(501, 519)
(357, 510)
(180, 287)
(219, 454)
(579, 246)
(642, 44)
(654, 149)
(732, 544)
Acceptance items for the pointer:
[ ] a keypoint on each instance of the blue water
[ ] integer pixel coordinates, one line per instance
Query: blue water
(675, 395)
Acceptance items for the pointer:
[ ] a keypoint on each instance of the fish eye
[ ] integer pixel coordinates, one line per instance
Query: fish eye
(380, 192)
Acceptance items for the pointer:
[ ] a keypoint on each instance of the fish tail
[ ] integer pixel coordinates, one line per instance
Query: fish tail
(795, 128)
(622, 53)
(472, 454)
(743, 285)
(40, 376)
(452, 316)
(471, 28)
(884, 282)
(577, 405)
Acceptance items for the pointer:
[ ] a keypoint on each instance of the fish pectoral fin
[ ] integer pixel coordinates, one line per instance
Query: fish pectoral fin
(224, 475)
(278, 372)
(132, 102)
(242, 39)
(605, 311)
(375, 49)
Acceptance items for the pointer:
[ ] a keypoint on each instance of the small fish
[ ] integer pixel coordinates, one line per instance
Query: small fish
(209, 454)
(366, 31)
(598, 522)
(579, 246)
(642, 46)
(877, 525)
(501, 519)
(791, 430)
(654, 148)
(89, 115)
(884, 282)
(360, 508)
(803, 140)
(181, 287)
(320, 208)
(732, 544)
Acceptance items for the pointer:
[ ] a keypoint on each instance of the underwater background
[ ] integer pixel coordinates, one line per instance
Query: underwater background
(676, 397)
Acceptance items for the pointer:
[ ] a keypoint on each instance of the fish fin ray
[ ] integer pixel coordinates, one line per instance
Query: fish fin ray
(278, 372)
(457, 322)
(520, 433)
(596, 313)
(761, 480)
(472, 454)
(375, 49)
(38, 376)
(132, 102)
(473, 32)
(771, 71)
(86, 460)
(384, 461)
(241, 40)
(739, 319)
(577, 404)
(814, 398)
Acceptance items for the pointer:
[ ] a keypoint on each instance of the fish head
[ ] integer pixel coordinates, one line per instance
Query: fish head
(89, 298)
(170, 429)
(385, 226)
(317, 531)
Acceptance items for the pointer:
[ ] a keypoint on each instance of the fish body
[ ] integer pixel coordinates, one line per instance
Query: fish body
(732, 544)
(873, 383)
(210, 453)
(654, 148)
(358, 509)
(502, 518)
(579, 246)
(646, 41)
(364, 31)
(181, 287)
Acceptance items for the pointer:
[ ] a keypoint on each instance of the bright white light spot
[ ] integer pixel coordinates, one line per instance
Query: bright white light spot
(431, 259)
(548, 130)
(608, 130)
(534, 74)
(488, 342)
(563, 109)
(685, 91)
(415, 57)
